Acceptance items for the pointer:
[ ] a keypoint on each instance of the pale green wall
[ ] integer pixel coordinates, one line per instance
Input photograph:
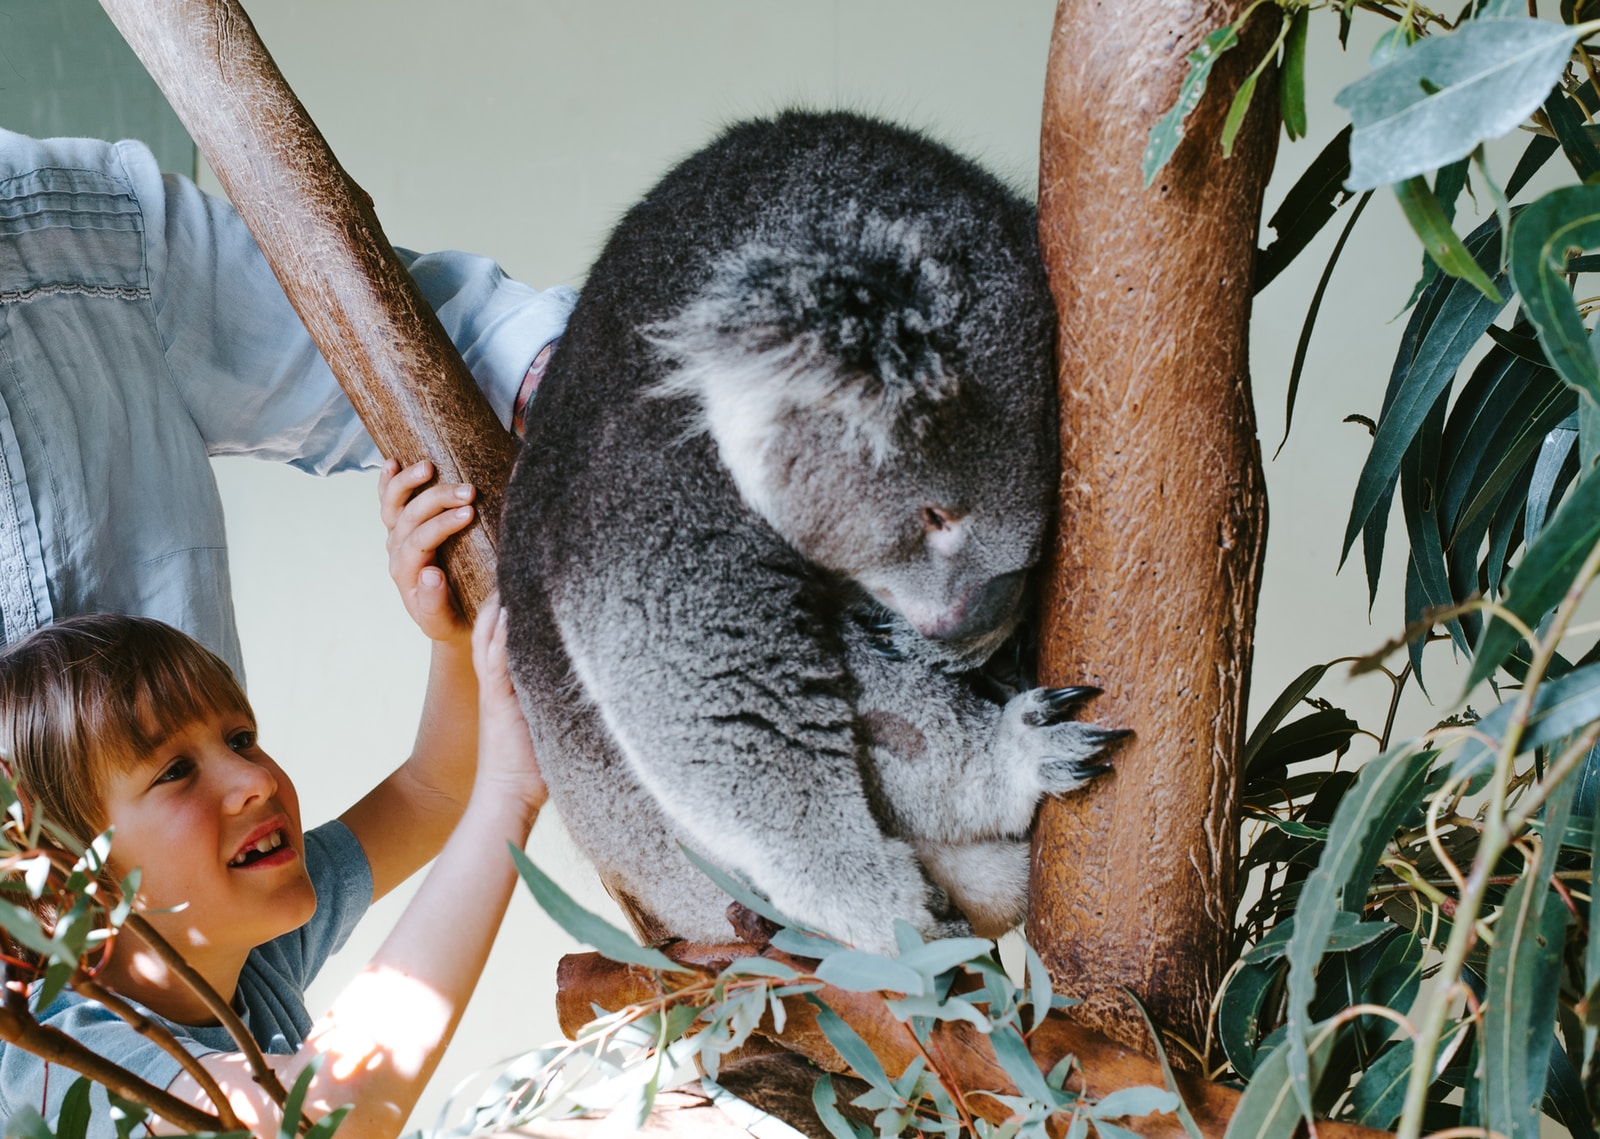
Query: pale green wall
(64, 70)
(521, 128)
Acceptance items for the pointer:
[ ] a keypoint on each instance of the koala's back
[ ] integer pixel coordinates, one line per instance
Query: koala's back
(679, 660)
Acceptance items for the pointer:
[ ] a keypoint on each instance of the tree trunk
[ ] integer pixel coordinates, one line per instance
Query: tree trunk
(1155, 573)
(319, 233)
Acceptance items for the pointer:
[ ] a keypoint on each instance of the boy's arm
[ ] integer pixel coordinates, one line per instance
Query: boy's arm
(404, 821)
(386, 1032)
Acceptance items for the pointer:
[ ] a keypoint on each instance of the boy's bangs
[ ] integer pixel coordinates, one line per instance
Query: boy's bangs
(168, 687)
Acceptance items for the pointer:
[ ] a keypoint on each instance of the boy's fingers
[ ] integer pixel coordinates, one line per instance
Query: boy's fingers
(423, 541)
(395, 490)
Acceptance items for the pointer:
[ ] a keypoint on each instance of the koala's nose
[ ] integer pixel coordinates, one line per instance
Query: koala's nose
(984, 609)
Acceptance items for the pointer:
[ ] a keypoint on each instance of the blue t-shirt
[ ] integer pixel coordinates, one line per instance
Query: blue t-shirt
(270, 998)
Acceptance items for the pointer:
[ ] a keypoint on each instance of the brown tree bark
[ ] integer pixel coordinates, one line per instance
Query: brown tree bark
(319, 233)
(1152, 589)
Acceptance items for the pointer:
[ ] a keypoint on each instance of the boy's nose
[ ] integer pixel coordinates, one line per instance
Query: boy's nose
(248, 782)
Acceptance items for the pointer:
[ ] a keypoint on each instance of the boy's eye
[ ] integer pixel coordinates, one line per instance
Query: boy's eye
(178, 769)
(242, 741)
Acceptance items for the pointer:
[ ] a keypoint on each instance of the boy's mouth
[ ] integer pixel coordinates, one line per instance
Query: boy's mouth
(262, 848)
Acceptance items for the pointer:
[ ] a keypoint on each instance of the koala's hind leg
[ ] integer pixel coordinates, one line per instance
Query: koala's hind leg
(986, 881)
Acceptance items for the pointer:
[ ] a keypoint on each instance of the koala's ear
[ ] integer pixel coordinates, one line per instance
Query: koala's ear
(864, 327)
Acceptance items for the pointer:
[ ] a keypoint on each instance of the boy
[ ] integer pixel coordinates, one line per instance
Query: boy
(123, 722)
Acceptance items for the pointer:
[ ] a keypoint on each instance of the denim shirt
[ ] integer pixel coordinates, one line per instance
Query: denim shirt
(141, 331)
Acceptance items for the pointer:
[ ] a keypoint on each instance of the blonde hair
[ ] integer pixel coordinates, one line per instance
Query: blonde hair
(95, 694)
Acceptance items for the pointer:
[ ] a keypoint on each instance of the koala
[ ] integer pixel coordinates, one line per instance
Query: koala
(784, 483)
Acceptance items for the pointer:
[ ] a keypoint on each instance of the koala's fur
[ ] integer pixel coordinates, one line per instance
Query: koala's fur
(787, 473)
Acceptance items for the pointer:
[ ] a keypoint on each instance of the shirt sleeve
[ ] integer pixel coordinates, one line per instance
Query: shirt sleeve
(248, 372)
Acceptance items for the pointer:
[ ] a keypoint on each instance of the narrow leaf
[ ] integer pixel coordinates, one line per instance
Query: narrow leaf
(868, 973)
(1134, 1102)
(826, 1100)
(1548, 568)
(1292, 77)
(584, 926)
(1237, 111)
(1428, 222)
(1185, 1116)
(851, 1048)
(1168, 131)
(1436, 100)
(1268, 1108)
(1562, 220)
(1519, 1017)
(1567, 122)
(737, 890)
(1239, 1015)
(1561, 707)
(1308, 206)
(1362, 826)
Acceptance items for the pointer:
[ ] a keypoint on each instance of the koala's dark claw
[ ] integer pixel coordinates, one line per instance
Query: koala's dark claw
(1061, 699)
(1102, 736)
(1087, 771)
(887, 650)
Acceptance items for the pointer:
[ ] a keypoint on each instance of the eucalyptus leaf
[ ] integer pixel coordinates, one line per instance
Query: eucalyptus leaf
(72, 1121)
(26, 1123)
(851, 1048)
(1567, 122)
(737, 890)
(1561, 707)
(1558, 446)
(861, 972)
(584, 926)
(1168, 131)
(1289, 699)
(944, 954)
(1432, 227)
(803, 944)
(1449, 321)
(1564, 219)
(1239, 1014)
(826, 1101)
(1308, 206)
(1548, 568)
(1387, 788)
(1185, 1116)
(759, 967)
(1435, 101)
(1380, 1094)
(1134, 1101)
(1346, 932)
(1237, 111)
(1292, 76)
(1012, 1052)
(1268, 1108)
(1519, 1016)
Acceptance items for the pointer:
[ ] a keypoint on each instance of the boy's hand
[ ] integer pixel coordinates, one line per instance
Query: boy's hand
(418, 523)
(505, 751)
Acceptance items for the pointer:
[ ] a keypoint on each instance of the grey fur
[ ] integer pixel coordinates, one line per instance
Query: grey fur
(802, 339)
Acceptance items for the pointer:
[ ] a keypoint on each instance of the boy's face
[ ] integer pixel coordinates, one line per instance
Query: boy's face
(212, 822)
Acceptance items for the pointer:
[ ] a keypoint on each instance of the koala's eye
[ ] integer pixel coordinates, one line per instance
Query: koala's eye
(936, 518)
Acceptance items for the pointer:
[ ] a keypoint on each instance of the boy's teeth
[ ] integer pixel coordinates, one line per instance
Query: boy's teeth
(265, 845)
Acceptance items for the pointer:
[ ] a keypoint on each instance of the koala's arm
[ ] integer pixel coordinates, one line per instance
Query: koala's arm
(728, 694)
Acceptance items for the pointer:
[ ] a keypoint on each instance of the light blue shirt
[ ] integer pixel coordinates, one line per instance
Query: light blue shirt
(270, 998)
(141, 332)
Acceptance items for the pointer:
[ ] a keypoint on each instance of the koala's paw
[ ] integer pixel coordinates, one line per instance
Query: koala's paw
(1064, 752)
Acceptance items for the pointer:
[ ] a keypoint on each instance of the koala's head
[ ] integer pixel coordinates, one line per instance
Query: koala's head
(884, 400)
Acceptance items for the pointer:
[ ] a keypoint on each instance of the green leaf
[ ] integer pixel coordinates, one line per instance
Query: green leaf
(1380, 1095)
(1308, 206)
(1547, 570)
(1012, 1052)
(1268, 1109)
(1292, 78)
(325, 1127)
(1303, 345)
(1432, 228)
(1239, 1015)
(1134, 1102)
(802, 944)
(1436, 100)
(24, 929)
(952, 1008)
(1237, 111)
(1561, 707)
(72, 1121)
(1448, 322)
(1168, 131)
(1322, 732)
(1386, 789)
(1562, 220)
(1346, 932)
(584, 926)
(738, 891)
(1567, 122)
(861, 972)
(27, 1123)
(1185, 1116)
(1519, 1016)
(851, 1048)
(1553, 471)
(826, 1100)
(1288, 700)
(1040, 994)
(944, 954)
(293, 1106)
(758, 967)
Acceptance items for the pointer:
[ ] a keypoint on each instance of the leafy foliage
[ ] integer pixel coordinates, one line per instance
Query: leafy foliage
(1466, 855)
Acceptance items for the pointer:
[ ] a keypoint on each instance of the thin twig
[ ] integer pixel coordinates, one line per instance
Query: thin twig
(55, 1047)
(219, 1008)
(158, 1035)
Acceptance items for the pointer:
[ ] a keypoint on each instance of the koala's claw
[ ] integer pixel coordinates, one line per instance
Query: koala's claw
(1055, 704)
(1083, 771)
(1102, 736)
